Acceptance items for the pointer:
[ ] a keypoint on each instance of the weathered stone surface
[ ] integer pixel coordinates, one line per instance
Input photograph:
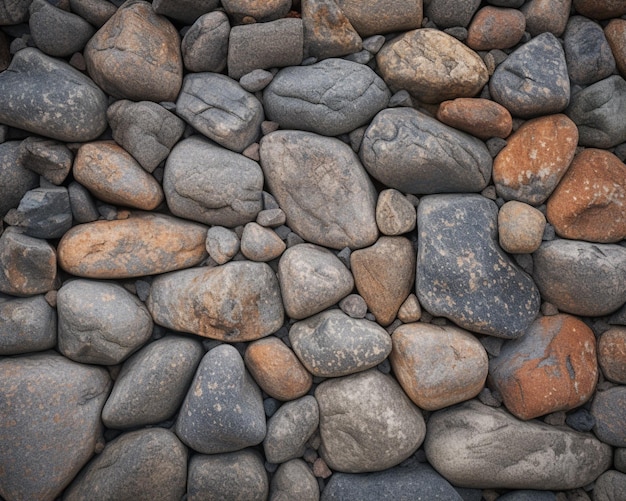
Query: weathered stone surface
(261, 244)
(367, 423)
(581, 278)
(600, 9)
(136, 55)
(219, 108)
(42, 213)
(384, 275)
(15, 178)
(480, 117)
(395, 214)
(612, 354)
(495, 28)
(27, 324)
(546, 16)
(463, 274)
(312, 279)
(528, 173)
(587, 51)
(410, 311)
(48, 158)
(49, 422)
(186, 11)
(238, 301)
(615, 33)
(152, 383)
(213, 185)
(610, 486)
(438, 366)
(96, 12)
(432, 66)
(327, 31)
(84, 209)
(222, 244)
(331, 203)
(598, 111)
(237, 476)
(146, 130)
(143, 244)
(223, 409)
(332, 344)
(414, 153)
(143, 464)
(533, 80)
(609, 410)
(332, 97)
(465, 442)
(260, 12)
(520, 227)
(378, 16)
(294, 480)
(14, 12)
(205, 45)
(36, 92)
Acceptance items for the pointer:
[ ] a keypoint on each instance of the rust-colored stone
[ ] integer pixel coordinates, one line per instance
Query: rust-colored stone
(615, 33)
(600, 9)
(480, 117)
(612, 354)
(496, 28)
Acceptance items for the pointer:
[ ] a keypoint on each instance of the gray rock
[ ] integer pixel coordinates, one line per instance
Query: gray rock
(43, 213)
(96, 12)
(367, 423)
(236, 476)
(264, 45)
(464, 275)
(186, 11)
(401, 483)
(152, 383)
(272, 218)
(610, 486)
(619, 460)
(473, 445)
(327, 31)
(598, 113)
(14, 11)
(354, 306)
(50, 159)
(294, 480)
(252, 11)
(219, 108)
(334, 205)
(223, 409)
(395, 214)
(100, 322)
(533, 80)
(49, 422)
(451, 13)
(148, 464)
(261, 244)
(145, 130)
(414, 153)
(15, 178)
(256, 80)
(222, 244)
(27, 324)
(580, 277)
(587, 52)
(528, 495)
(609, 410)
(332, 344)
(205, 45)
(204, 182)
(84, 209)
(289, 429)
(47, 96)
(312, 279)
(331, 97)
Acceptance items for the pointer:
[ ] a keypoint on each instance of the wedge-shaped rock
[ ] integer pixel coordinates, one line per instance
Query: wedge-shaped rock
(143, 244)
(473, 445)
(239, 301)
(414, 153)
(464, 275)
(319, 182)
(327, 31)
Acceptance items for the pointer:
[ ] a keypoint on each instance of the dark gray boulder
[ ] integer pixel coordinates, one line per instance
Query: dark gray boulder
(43, 213)
(15, 178)
(27, 324)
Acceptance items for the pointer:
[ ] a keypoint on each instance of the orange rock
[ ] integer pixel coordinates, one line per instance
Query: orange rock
(551, 368)
(615, 33)
(277, 370)
(612, 354)
(600, 9)
(143, 244)
(495, 28)
(590, 201)
(535, 159)
(480, 117)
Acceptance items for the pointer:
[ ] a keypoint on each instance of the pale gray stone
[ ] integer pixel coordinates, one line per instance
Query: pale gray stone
(610, 486)
(256, 80)
(294, 480)
(222, 244)
(395, 215)
(95, 12)
(26, 324)
(261, 244)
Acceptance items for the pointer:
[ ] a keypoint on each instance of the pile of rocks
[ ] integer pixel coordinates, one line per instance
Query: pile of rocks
(336, 249)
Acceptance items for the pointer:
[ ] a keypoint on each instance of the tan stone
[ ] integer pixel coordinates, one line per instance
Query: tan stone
(590, 201)
(114, 176)
(535, 159)
(495, 28)
(520, 227)
(143, 244)
(600, 9)
(480, 117)
(261, 244)
(375, 17)
(411, 310)
(277, 370)
(612, 354)
(438, 366)
(432, 66)
(136, 55)
(615, 33)
(384, 275)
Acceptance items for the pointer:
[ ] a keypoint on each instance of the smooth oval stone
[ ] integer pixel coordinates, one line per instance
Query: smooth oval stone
(367, 423)
(27, 324)
(587, 51)
(294, 480)
(432, 66)
(238, 301)
(47, 96)
(414, 153)
(331, 97)
(332, 344)
(395, 214)
(612, 354)
(465, 442)
(15, 178)
(143, 464)
(143, 244)
(332, 202)
(49, 422)
(223, 409)
(580, 277)
(477, 116)
(609, 410)
(464, 275)
(520, 227)
(610, 486)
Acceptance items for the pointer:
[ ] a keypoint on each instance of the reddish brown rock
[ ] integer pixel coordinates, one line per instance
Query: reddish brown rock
(520, 227)
(546, 16)
(612, 354)
(590, 201)
(553, 367)
(495, 28)
(143, 244)
(480, 117)
(600, 9)
(277, 370)
(615, 33)
(535, 159)
(384, 275)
